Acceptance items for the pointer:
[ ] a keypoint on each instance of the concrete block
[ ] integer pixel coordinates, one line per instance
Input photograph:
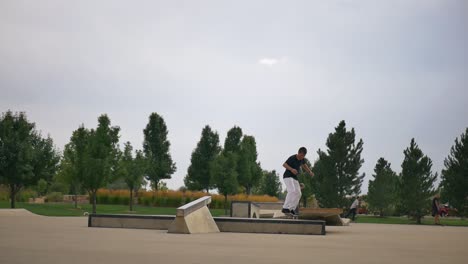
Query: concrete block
(199, 221)
(158, 222)
(271, 226)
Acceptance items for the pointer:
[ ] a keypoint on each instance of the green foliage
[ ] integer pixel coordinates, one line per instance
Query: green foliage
(233, 140)
(382, 194)
(54, 197)
(455, 175)
(42, 187)
(25, 157)
(58, 186)
(156, 150)
(249, 170)
(270, 184)
(224, 174)
(416, 182)
(90, 158)
(199, 173)
(337, 170)
(306, 179)
(132, 169)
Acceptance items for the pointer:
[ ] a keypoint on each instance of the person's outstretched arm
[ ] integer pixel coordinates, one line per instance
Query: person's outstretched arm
(306, 168)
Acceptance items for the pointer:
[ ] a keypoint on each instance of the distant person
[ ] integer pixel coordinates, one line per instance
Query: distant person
(292, 165)
(436, 209)
(353, 208)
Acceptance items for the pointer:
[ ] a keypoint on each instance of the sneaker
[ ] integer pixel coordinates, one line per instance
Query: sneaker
(286, 211)
(294, 213)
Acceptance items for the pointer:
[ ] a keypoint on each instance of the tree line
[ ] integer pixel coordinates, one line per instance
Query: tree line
(92, 159)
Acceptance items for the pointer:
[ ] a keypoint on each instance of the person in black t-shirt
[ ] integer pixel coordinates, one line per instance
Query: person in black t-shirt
(436, 208)
(292, 166)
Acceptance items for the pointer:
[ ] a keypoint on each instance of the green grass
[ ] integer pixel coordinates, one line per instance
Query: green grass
(62, 209)
(428, 220)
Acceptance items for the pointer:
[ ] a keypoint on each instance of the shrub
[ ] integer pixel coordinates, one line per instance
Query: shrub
(55, 197)
(168, 198)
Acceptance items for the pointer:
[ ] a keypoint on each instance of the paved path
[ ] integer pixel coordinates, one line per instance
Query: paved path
(28, 238)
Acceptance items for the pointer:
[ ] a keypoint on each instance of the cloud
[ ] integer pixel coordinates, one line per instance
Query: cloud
(268, 61)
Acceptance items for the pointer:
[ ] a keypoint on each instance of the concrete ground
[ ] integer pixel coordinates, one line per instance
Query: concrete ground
(28, 238)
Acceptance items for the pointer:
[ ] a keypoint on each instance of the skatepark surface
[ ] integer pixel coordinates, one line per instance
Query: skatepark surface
(29, 238)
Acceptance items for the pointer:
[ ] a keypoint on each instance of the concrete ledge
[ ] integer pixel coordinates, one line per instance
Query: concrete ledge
(271, 226)
(158, 222)
(191, 207)
(225, 224)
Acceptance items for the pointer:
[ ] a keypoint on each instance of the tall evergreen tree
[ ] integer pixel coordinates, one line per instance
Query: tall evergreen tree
(156, 150)
(382, 194)
(25, 157)
(199, 173)
(100, 157)
(337, 170)
(225, 175)
(455, 175)
(249, 170)
(416, 182)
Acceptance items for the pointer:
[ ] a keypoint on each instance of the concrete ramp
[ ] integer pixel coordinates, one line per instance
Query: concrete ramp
(16, 212)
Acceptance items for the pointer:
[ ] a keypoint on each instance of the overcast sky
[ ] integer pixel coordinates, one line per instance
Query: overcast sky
(286, 72)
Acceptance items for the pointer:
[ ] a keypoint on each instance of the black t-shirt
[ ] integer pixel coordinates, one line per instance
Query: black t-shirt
(295, 164)
(434, 203)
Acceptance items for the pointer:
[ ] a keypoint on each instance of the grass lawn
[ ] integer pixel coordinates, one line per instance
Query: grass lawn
(64, 209)
(428, 220)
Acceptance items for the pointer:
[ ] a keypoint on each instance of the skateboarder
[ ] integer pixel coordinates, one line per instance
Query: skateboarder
(292, 165)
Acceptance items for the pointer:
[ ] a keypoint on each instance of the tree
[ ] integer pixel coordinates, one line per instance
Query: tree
(199, 174)
(337, 170)
(132, 170)
(455, 175)
(100, 159)
(25, 157)
(382, 190)
(74, 162)
(269, 184)
(225, 175)
(249, 170)
(233, 140)
(417, 180)
(42, 187)
(156, 151)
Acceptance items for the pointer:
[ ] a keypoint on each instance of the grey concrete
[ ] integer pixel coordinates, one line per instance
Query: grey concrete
(270, 226)
(197, 222)
(201, 224)
(158, 222)
(245, 209)
(193, 206)
(46, 240)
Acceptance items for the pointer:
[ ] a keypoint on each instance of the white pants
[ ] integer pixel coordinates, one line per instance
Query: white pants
(294, 193)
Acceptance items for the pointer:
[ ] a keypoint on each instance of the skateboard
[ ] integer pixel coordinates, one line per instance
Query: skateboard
(291, 216)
